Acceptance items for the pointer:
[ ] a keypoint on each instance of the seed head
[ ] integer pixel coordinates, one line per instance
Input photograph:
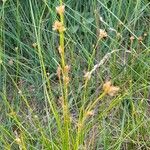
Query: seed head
(60, 49)
(140, 39)
(10, 62)
(102, 34)
(145, 34)
(18, 140)
(34, 45)
(19, 92)
(59, 72)
(67, 68)
(16, 48)
(48, 73)
(60, 9)
(110, 89)
(90, 113)
(66, 79)
(58, 26)
(87, 76)
(132, 38)
(118, 35)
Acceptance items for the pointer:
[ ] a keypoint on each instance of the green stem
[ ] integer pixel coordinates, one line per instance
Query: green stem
(83, 119)
(66, 115)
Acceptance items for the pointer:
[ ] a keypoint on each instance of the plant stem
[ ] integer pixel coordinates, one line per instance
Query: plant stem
(66, 114)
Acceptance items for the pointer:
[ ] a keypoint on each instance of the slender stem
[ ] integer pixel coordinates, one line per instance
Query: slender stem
(66, 114)
(83, 119)
(93, 103)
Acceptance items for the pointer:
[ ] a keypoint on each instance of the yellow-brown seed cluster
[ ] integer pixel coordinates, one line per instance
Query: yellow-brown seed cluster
(34, 45)
(145, 34)
(60, 49)
(110, 89)
(59, 26)
(60, 9)
(18, 140)
(66, 70)
(59, 72)
(140, 39)
(66, 79)
(90, 113)
(87, 76)
(132, 38)
(102, 34)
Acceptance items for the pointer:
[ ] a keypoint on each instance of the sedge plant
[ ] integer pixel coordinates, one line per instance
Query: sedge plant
(74, 74)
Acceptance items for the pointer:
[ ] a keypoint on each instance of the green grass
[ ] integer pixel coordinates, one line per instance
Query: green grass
(40, 111)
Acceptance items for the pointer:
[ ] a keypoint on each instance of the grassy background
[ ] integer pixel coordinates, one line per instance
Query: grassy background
(120, 122)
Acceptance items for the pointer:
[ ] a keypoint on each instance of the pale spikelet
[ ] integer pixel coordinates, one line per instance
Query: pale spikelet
(19, 92)
(90, 113)
(59, 72)
(58, 26)
(118, 35)
(87, 75)
(101, 19)
(140, 39)
(112, 29)
(145, 34)
(103, 60)
(110, 89)
(67, 69)
(34, 45)
(48, 73)
(12, 113)
(18, 140)
(94, 68)
(60, 9)
(11, 62)
(66, 80)
(132, 38)
(16, 48)
(60, 49)
(102, 34)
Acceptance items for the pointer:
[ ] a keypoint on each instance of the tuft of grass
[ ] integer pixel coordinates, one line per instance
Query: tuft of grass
(77, 88)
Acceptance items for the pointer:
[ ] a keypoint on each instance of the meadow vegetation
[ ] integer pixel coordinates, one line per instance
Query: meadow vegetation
(74, 75)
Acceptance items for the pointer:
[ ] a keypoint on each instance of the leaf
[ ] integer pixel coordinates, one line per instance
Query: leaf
(74, 29)
(90, 20)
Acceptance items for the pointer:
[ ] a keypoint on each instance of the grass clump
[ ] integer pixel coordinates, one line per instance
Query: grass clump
(74, 74)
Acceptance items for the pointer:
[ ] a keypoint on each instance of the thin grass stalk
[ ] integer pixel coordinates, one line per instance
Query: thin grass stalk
(66, 114)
